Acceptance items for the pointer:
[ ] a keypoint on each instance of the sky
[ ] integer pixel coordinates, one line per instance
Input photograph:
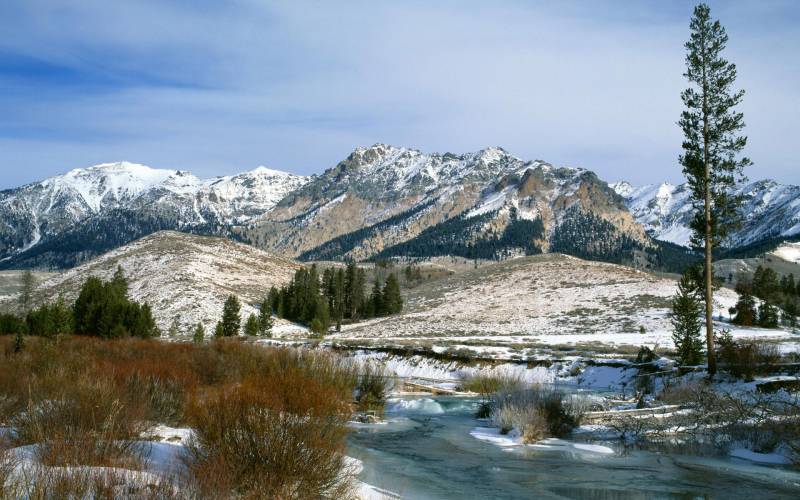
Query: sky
(222, 87)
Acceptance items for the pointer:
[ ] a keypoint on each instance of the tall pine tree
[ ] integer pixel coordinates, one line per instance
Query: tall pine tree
(712, 146)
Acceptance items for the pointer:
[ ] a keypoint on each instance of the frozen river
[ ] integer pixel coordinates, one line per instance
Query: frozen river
(426, 451)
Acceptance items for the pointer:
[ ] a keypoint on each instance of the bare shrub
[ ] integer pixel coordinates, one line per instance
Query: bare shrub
(745, 359)
(86, 424)
(272, 440)
(762, 421)
(45, 483)
(86, 402)
(488, 384)
(372, 388)
(8, 463)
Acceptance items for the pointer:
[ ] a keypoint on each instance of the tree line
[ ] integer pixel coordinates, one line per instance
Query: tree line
(780, 300)
(102, 309)
(336, 296)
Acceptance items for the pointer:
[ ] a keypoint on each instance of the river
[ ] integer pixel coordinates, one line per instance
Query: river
(425, 451)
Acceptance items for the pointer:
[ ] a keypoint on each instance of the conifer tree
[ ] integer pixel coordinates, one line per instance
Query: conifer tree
(376, 307)
(274, 298)
(101, 309)
(231, 317)
(712, 146)
(265, 318)
(790, 312)
(767, 315)
(199, 334)
(120, 282)
(765, 284)
(173, 328)
(338, 298)
(687, 310)
(26, 293)
(251, 326)
(219, 330)
(745, 308)
(61, 317)
(787, 284)
(392, 301)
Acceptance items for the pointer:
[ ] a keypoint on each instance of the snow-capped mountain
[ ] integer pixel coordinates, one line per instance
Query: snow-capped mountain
(64, 219)
(770, 210)
(387, 201)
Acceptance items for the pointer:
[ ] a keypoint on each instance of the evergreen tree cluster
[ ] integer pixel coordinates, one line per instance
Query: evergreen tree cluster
(585, 235)
(97, 235)
(337, 296)
(49, 320)
(338, 247)
(780, 300)
(102, 309)
(458, 237)
(10, 324)
(302, 301)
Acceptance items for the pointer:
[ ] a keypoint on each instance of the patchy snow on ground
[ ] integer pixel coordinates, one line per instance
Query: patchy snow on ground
(606, 377)
(423, 367)
(546, 299)
(162, 449)
(185, 278)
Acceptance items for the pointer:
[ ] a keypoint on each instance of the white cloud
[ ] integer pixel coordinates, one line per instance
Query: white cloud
(297, 85)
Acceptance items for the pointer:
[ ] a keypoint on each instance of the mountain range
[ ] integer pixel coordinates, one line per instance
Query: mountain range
(379, 202)
(64, 220)
(770, 211)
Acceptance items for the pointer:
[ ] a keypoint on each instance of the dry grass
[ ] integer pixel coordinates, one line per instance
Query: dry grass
(270, 422)
(487, 385)
(536, 412)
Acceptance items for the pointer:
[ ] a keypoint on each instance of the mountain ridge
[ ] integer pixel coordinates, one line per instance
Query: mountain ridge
(380, 201)
(770, 210)
(110, 195)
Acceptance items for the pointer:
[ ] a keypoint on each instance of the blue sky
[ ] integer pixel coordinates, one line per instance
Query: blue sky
(222, 87)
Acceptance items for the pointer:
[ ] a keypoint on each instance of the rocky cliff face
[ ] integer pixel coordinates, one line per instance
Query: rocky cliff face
(387, 201)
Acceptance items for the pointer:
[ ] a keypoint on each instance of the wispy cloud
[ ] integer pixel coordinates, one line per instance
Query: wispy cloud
(218, 87)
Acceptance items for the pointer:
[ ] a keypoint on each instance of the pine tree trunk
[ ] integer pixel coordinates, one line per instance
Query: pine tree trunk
(712, 359)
